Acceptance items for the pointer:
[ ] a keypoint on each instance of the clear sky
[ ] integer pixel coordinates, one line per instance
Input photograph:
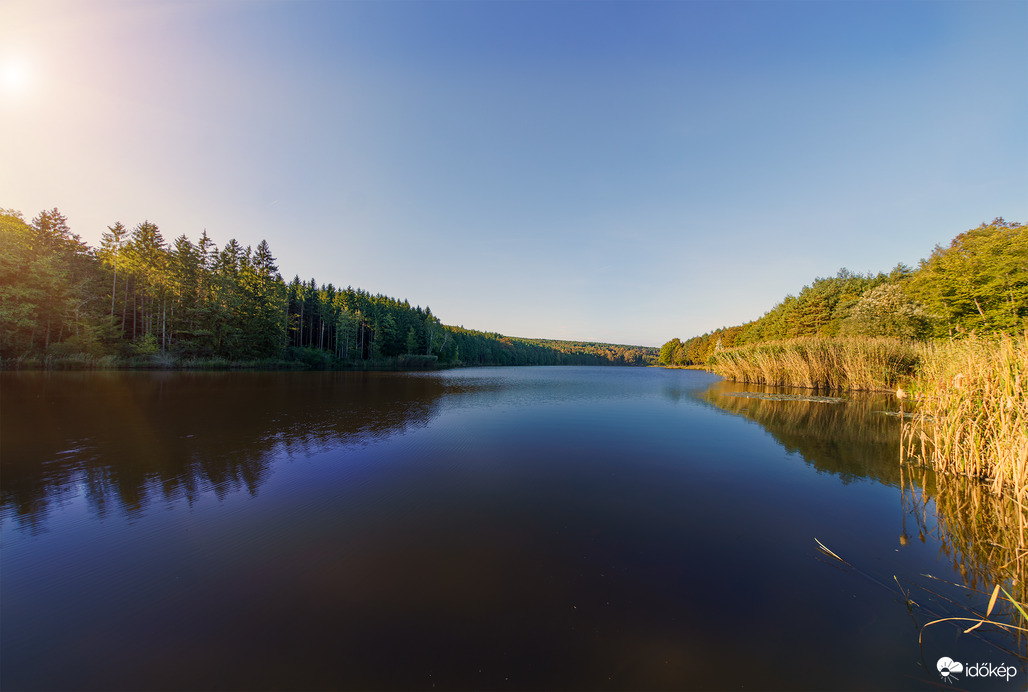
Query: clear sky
(612, 171)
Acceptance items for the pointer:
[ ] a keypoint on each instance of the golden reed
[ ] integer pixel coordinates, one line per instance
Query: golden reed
(968, 396)
(971, 412)
(820, 363)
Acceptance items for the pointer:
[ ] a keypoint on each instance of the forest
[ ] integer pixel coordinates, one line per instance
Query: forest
(141, 301)
(976, 284)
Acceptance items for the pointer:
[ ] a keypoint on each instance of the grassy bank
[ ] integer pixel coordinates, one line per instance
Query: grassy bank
(971, 411)
(820, 363)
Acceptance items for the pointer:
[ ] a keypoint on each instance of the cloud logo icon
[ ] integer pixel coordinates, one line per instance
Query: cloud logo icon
(948, 667)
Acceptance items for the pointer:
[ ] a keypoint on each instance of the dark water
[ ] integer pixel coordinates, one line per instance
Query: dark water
(523, 528)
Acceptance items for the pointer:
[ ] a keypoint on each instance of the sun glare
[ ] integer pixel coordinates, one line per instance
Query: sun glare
(14, 75)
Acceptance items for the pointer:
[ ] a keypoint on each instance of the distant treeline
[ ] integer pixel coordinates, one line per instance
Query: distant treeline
(479, 348)
(979, 283)
(138, 300)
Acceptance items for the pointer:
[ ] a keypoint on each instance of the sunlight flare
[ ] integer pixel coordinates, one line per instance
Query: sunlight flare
(14, 75)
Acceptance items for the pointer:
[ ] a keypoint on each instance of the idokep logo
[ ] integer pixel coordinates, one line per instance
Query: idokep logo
(948, 669)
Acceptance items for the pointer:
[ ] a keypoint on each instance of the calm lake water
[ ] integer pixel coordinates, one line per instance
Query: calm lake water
(516, 528)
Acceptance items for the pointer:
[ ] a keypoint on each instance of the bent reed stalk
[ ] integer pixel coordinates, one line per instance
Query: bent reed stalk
(971, 415)
(820, 363)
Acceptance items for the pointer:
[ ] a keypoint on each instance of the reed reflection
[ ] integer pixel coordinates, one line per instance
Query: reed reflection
(982, 534)
(851, 438)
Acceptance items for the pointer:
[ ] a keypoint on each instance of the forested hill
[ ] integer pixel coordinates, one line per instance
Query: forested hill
(481, 348)
(140, 300)
(978, 283)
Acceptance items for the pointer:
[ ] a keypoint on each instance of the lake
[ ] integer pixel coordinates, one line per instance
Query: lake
(489, 528)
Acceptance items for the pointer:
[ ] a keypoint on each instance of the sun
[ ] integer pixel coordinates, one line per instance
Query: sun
(14, 75)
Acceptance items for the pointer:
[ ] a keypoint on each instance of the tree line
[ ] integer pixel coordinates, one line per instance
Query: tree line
(485, 348)
(978, 283)
(139, 299)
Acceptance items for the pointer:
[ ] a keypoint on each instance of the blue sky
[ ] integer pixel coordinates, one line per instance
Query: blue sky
(624, 172)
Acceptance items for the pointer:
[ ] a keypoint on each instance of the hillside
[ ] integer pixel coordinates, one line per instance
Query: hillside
(978, 283)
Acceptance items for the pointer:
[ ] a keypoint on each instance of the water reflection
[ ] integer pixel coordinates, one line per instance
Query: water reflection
(850, 438)
(540, 528)
(984, 536)
(129, 439)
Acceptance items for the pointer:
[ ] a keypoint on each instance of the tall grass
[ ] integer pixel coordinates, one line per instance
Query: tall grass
(820, 363)
(971, 414)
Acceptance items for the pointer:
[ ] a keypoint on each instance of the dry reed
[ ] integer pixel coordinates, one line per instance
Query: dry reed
(820, 363)
(971, 415)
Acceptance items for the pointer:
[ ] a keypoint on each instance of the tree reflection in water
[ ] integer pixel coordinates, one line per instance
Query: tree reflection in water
(126, 440)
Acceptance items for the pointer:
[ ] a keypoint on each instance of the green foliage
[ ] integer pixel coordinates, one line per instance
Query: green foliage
(146, 346)
(887, 311)
(481, 348)
(47, 286)
(977, 284)
(154, 303)
(20, 289)
(669, 351)
(817, 311)
(699, 349)
(312, 358)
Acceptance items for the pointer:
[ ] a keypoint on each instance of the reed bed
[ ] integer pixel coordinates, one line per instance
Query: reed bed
(820, 363)
(971, 413)
(971, 420)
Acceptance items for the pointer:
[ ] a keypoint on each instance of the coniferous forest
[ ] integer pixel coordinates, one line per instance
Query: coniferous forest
(978, 283)
(140, 300)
